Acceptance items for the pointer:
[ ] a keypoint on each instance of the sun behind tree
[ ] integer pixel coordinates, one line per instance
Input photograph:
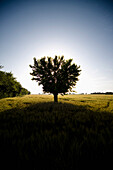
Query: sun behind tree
(56, 75)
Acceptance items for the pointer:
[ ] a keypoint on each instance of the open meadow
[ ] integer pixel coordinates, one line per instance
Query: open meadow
(76, 133)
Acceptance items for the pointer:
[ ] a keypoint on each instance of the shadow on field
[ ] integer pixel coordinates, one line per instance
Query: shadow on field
(56, 136)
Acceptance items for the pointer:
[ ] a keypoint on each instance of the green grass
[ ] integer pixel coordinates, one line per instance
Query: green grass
(76, 133)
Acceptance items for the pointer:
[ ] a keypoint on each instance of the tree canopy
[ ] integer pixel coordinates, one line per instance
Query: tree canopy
(1, 66)
(9, 87)
(57, 75)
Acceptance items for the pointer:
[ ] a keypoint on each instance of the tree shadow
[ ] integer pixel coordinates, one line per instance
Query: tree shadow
(56, 136)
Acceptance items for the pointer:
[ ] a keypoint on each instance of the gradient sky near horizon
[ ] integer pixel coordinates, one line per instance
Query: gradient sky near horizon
(78, 29)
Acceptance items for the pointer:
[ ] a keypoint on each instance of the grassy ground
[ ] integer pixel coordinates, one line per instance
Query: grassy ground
(75, 133)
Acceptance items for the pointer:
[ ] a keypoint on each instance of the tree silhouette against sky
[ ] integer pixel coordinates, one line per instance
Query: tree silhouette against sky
(55, 75)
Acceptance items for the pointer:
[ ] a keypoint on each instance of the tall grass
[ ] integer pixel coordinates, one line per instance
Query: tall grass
(76, 133)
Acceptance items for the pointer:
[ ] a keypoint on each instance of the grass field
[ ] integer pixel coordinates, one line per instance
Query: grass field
(76, 133)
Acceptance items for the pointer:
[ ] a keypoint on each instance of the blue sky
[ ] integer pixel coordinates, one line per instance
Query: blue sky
(80, 29)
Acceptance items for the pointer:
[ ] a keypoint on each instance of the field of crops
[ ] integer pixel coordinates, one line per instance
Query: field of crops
(76, 133)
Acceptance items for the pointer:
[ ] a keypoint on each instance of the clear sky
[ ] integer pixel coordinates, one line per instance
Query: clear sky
(78, 29)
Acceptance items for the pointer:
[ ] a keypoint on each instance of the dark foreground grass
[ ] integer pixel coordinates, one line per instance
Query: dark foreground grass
(56, 137)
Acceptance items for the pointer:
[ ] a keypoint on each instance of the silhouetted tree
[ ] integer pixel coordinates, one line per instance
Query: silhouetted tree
(56, 75)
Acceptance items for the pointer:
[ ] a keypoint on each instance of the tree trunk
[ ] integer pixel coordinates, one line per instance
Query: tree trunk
(55, 97)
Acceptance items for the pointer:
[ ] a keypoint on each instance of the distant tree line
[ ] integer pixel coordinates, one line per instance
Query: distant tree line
(9, 87)
(110, 93)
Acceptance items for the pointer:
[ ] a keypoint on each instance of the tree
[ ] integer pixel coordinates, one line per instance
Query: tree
(9, 87)
(55, 75)
(1, 66)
